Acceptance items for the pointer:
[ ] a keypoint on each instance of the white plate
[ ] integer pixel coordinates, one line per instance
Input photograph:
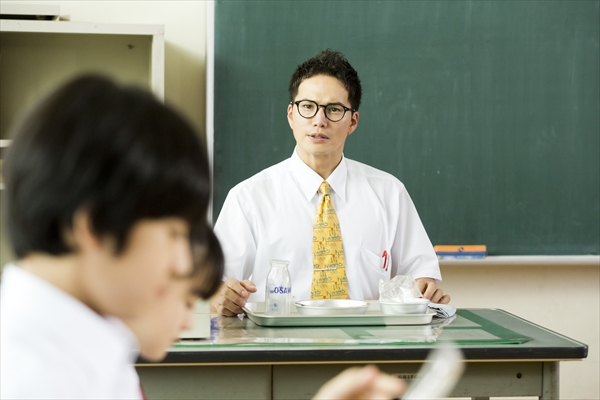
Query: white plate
(331, 307)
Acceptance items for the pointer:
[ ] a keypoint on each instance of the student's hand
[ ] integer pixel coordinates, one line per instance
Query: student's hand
(430, 291)
(231, 297)
(361, 383)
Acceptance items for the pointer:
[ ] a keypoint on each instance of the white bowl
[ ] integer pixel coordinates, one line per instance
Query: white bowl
(416, 306)
(331, 307)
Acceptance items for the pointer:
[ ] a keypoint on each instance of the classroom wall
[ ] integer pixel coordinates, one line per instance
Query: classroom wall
(562, 298)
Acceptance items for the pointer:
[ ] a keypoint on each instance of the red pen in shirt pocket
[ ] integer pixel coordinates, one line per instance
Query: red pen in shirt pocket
(385, 259)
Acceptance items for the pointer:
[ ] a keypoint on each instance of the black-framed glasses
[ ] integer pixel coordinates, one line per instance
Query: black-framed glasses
(333, 112)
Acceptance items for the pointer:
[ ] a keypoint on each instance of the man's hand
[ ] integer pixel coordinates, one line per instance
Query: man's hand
(430, 291)
(231, 297)
(361, 383)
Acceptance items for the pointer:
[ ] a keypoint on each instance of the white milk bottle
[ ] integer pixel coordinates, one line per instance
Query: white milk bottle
(278, 290)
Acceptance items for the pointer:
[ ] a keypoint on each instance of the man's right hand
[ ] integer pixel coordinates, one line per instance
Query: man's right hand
(231, 297)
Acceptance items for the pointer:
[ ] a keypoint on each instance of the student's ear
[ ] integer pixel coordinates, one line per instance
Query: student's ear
(82, 236)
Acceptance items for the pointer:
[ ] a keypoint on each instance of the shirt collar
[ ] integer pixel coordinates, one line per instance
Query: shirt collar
(309, 181)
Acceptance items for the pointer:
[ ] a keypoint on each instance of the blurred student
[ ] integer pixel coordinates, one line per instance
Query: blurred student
(103, 185)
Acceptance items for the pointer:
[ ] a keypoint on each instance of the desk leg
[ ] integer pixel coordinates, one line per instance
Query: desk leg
(550, 379)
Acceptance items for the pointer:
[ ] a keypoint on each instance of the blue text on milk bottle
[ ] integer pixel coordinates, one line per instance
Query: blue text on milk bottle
(278, 290)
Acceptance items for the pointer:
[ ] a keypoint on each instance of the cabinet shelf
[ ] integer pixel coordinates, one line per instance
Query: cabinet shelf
(37, 56)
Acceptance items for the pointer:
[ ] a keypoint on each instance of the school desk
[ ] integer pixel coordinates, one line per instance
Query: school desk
(505, 356)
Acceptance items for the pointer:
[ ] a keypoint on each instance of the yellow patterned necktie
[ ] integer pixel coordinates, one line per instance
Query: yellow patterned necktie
(329, 275)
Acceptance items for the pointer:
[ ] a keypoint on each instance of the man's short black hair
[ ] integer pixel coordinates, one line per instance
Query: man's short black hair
(331, 63)
(113, 151)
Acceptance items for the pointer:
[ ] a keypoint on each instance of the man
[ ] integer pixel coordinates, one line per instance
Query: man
(341, 243)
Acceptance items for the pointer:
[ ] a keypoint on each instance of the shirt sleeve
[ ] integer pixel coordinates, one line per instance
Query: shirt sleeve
(412, 251)
(235, 232)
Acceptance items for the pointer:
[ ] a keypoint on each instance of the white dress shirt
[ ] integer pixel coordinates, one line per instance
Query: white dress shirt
(270, 216)
(55, 347)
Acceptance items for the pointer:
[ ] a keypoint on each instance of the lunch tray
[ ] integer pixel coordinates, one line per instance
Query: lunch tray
(373, 317)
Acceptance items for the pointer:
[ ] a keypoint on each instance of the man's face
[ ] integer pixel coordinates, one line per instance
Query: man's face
(318, 137)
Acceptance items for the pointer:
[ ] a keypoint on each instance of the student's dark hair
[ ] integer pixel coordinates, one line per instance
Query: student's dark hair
(331, 63)
(114, 151)
(208, 262)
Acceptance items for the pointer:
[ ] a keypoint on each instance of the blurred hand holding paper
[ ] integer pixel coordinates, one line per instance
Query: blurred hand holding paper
(439, 374)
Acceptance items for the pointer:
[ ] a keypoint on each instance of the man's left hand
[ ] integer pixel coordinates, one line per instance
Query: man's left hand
(431, 291)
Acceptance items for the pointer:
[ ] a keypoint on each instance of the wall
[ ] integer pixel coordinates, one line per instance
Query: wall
(562, 298)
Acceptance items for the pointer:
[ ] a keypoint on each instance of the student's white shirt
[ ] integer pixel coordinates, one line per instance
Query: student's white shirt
(55, 347)
(270, 216)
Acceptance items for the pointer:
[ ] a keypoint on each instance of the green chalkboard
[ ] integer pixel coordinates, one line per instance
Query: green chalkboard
(488, 111)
